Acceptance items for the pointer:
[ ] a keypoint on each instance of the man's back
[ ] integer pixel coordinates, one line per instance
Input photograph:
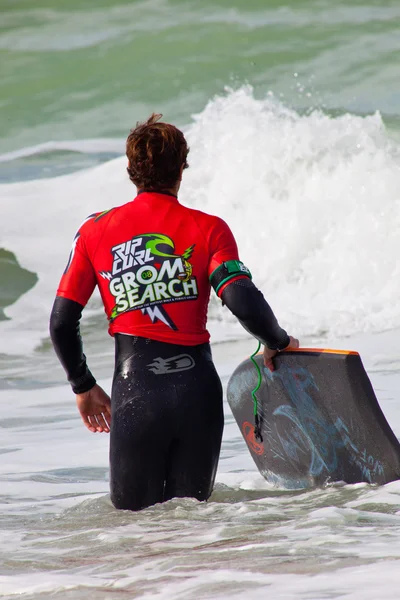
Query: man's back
(152, 259)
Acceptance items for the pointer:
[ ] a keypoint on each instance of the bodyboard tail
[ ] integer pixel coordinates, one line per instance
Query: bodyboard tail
(319, 417)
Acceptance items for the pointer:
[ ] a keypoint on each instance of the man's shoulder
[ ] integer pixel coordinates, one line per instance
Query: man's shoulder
(95, 222)
(204, 219)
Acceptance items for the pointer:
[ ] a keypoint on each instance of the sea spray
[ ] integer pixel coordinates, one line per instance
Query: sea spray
(312, 200)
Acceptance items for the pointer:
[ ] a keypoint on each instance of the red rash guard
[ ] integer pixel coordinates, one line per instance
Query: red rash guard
(151, 259)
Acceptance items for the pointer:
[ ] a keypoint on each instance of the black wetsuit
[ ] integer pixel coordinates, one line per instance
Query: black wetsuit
(167, 416)
(167, 422)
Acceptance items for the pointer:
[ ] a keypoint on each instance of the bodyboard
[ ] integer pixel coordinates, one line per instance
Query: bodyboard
(319, 418)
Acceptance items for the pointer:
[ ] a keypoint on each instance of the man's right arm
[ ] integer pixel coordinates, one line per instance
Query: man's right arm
(232, 283)
(249, 306)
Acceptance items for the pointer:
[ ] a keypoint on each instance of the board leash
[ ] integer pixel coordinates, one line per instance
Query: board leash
(257, 420)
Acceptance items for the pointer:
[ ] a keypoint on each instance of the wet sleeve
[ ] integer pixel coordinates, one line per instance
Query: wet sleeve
(67, 342)
(249, 306)
(74, 290)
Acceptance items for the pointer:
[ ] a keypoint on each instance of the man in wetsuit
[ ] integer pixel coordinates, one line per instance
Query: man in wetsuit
(154, 261)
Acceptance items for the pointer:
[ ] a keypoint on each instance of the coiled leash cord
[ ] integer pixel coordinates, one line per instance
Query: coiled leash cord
(257, 420)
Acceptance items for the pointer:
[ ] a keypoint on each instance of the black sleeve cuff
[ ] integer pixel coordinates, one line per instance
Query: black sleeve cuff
(84, 383)
(283, 342)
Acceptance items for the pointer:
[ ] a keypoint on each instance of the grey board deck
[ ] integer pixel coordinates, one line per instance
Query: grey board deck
(320, 420)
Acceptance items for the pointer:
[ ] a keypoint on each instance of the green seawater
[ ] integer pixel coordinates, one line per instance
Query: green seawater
(73, 70)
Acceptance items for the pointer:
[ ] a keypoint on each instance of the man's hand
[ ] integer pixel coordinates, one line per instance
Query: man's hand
(95, 409)
(269, 354)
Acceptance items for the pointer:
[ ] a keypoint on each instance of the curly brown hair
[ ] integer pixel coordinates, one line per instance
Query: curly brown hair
(156, 152)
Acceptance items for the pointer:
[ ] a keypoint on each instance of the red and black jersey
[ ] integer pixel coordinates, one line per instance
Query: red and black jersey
(152, 259)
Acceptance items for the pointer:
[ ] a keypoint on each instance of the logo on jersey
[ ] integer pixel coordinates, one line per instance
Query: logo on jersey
(175, 364)
(147, 273)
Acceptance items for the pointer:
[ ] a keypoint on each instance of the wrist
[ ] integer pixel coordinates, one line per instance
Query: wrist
(84, 383)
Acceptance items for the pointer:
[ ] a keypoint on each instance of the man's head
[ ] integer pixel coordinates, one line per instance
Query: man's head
(157, 155)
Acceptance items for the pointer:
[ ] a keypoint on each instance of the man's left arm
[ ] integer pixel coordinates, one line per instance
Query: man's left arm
(75, 288)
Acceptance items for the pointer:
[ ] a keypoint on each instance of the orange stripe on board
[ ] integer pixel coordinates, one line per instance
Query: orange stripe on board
(317, 351)
(320, 350)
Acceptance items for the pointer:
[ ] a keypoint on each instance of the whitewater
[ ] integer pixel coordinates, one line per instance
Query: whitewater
(318, 194)
(313, 202)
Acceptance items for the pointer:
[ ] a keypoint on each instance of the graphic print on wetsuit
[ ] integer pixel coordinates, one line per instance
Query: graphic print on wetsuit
(174, 364)
(147, 273)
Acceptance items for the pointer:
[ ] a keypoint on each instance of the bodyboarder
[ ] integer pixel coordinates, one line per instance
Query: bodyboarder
(154, 261)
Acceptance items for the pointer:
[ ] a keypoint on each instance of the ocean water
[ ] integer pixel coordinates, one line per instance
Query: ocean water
(292, 114)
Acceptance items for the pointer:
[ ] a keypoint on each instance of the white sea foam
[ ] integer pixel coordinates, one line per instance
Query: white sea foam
(248, 541)
(313, 201)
